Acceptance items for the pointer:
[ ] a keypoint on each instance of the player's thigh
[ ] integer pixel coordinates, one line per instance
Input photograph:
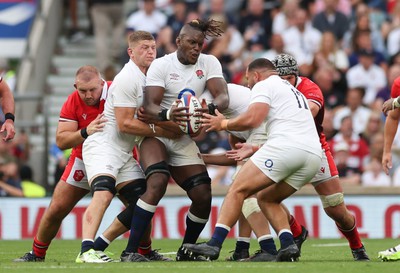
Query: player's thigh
(250, 179)
(152, 151)
(65, 197)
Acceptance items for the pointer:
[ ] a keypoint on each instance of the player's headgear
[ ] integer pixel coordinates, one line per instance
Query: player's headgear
(286, 65)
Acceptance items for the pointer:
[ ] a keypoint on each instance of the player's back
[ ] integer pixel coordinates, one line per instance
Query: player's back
(289, 121)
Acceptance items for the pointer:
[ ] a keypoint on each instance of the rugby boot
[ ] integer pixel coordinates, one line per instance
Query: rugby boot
(289, 254)
(154, 255)
(238, 255)
(360, 254)
(133, 257)
(203, 249)
(184, 255)
(29, 257)
(261, 256)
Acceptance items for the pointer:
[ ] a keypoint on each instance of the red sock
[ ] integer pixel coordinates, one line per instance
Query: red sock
(295, 227)
(145, 248)
(39, 248)
(352, 236)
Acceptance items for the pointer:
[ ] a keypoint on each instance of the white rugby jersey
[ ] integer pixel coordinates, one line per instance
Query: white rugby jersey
(239, 100)
(289, 121)
(176, 78)
(126, 90)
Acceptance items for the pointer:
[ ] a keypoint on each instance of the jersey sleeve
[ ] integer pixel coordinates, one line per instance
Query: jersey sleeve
(260, 93)
(125, 92)
(214, 68)
(156, 73)
(395, 92)
(68, 111)
(312, 92)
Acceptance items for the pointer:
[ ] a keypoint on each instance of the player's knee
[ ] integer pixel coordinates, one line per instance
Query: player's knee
(158, 168)
(104, 183)
(125, 217)
(196, 180)
(250, 206)
(332, 200)
(132, 191)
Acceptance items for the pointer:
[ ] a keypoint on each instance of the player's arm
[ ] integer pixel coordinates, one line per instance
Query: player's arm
(219, 90)
(69, 136)
(8, 107)
(218, 159)
(250, 119)
(390, 130)
(128, 124)
(314, 107)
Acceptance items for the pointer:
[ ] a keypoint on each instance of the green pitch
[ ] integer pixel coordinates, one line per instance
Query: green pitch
(318, 256)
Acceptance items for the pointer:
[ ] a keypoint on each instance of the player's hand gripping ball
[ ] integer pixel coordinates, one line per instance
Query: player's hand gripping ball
(193, 124)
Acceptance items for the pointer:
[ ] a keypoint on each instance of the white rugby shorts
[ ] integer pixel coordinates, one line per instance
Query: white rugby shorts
(293, 165)
(108, 159)
(182, 151)
(75, 173)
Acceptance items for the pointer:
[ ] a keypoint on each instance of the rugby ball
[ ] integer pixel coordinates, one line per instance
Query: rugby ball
(193, 125)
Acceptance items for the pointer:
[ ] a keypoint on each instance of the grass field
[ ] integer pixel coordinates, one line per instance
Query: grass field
(318, 256)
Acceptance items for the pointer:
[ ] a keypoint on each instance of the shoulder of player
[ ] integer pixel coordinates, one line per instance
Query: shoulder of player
(395, 91)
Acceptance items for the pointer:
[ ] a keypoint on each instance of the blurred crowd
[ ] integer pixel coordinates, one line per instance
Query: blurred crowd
(350, 48)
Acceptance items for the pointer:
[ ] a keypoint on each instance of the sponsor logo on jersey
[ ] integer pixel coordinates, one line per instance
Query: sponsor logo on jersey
(322, 169)
(84, 116)
(173, 76)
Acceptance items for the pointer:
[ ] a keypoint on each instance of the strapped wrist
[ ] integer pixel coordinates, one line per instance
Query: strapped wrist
(211, 108)
(84, 133)
(9, 116)
(396, 103)
(163, 115)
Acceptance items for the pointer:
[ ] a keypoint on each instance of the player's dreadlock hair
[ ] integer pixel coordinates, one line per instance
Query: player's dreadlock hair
(210, 28)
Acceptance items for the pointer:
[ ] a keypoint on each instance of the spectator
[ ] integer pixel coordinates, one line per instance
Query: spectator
(29, 187)
(147, 18)
(7, 74)
(331, 19)
(384, 94)
(21, 147)
(373, 126)
(10, 182)
(177, 19)
(108, 26)
(374, 176)
(363, 23)
(256, 26)
(362, 41)
(284, 19)
(228, 48)
(302, 41)
(75, 34)
(393, 37)
(358, 147)
(329, 81)
(330, 54)
(355, 109)
(276, 45)
(347, 175)
(368, 75)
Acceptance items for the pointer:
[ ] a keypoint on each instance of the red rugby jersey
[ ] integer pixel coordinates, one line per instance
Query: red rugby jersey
(74, 109)
(312, 92)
